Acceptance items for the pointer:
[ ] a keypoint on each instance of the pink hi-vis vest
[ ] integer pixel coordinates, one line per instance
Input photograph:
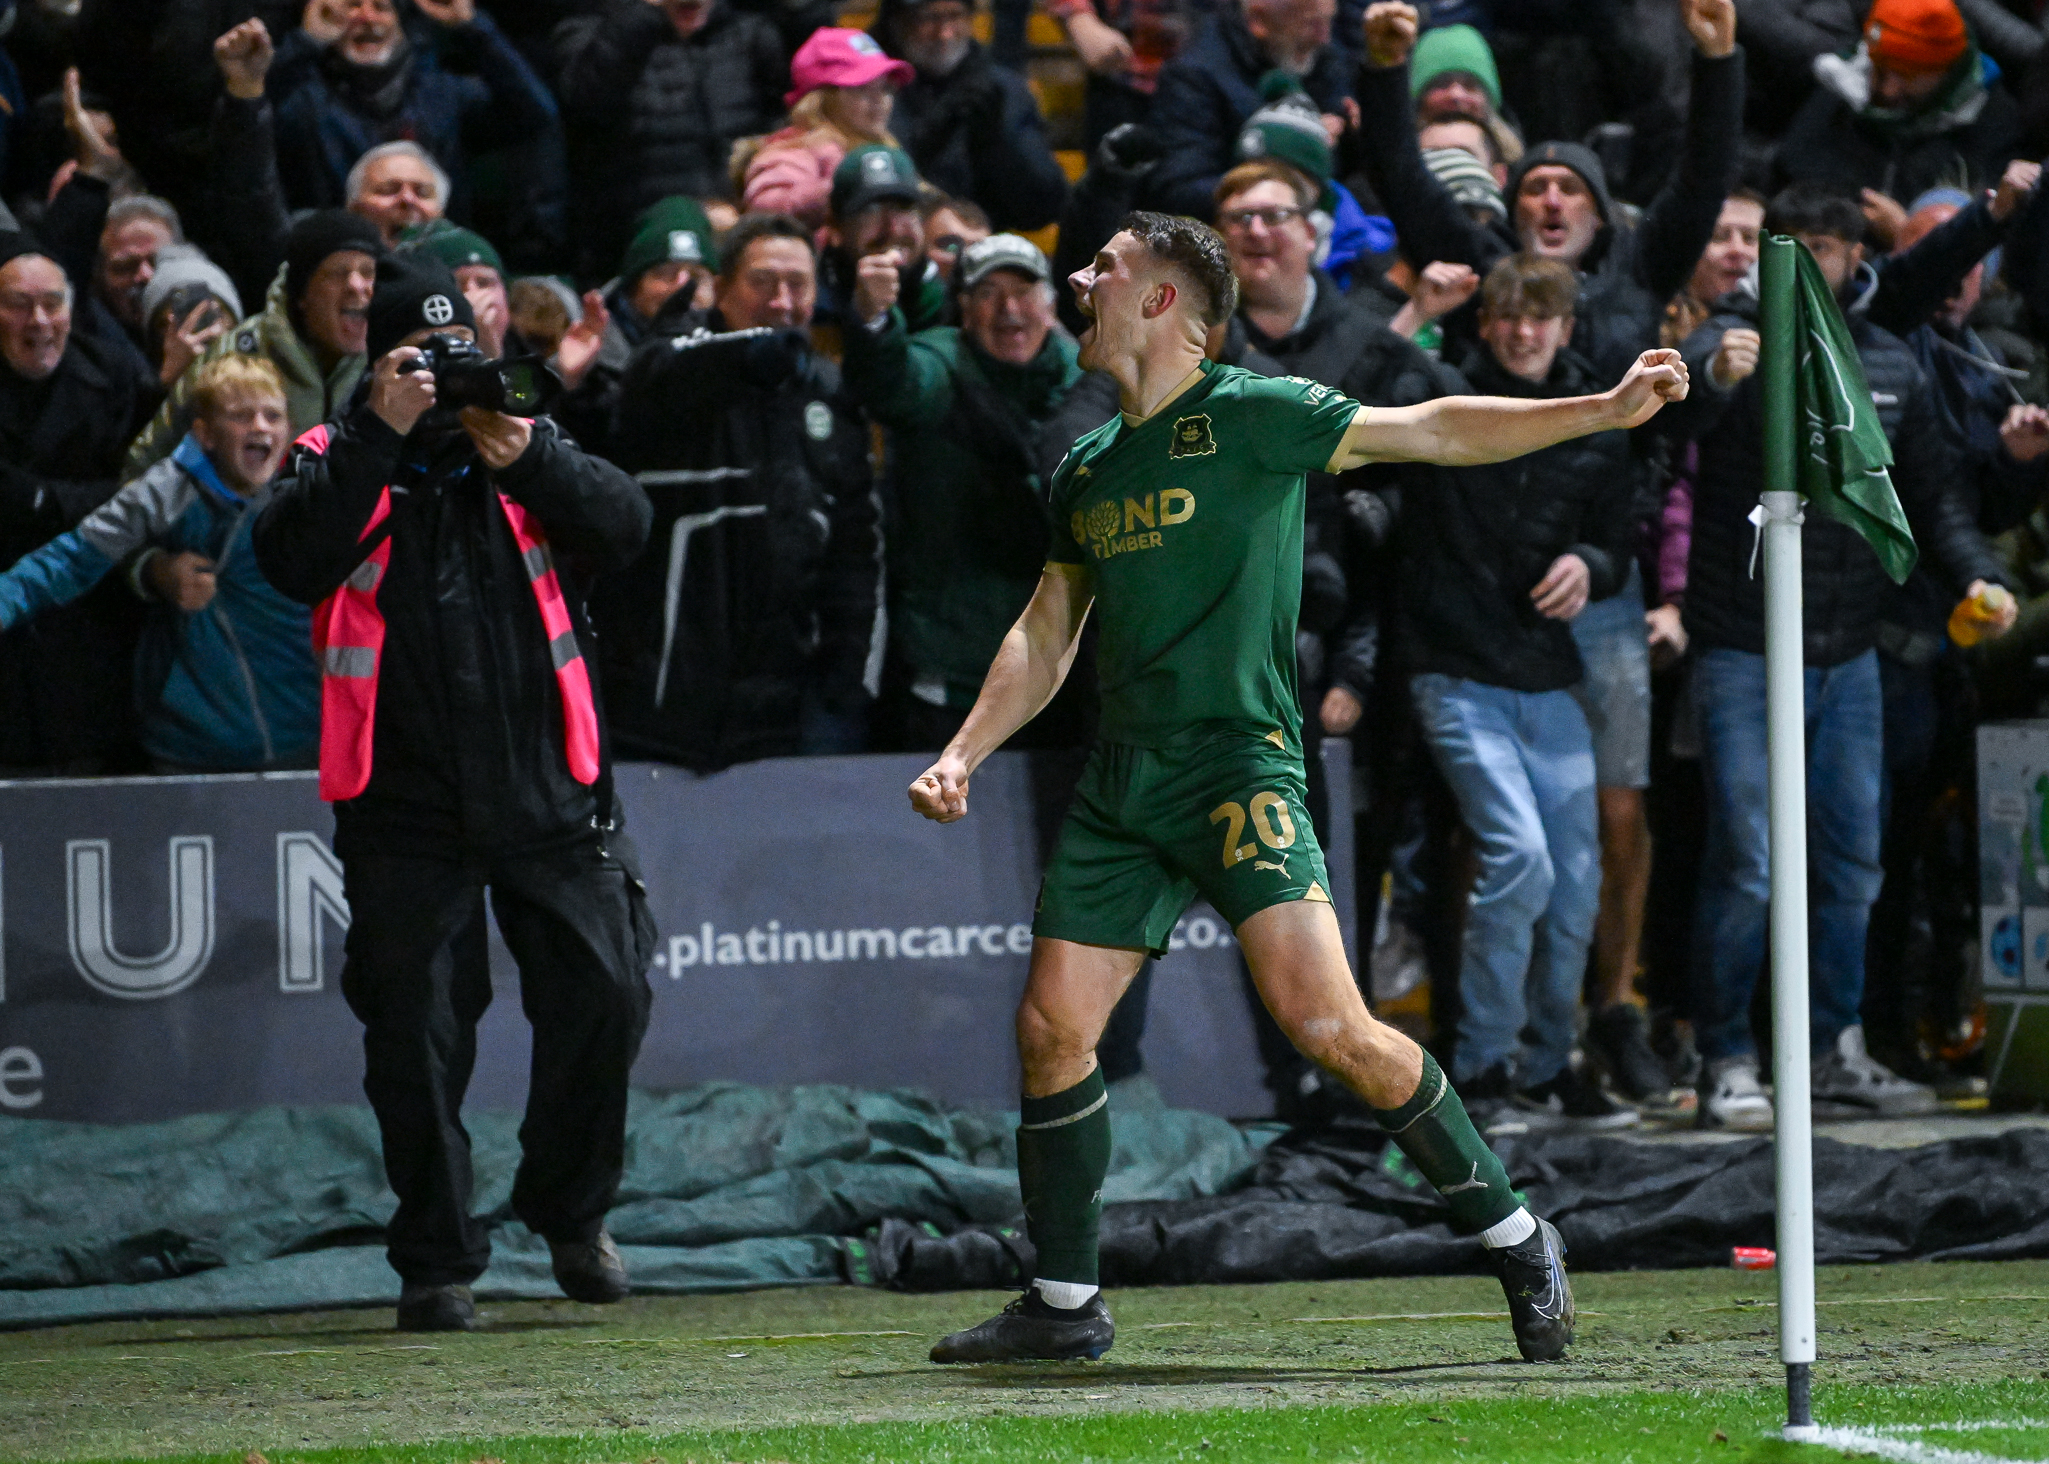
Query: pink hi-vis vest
(348, 642)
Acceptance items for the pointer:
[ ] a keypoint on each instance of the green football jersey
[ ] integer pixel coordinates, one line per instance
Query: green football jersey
(1191, 526)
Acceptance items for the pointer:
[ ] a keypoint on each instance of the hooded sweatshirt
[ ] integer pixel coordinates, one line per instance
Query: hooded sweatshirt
(311, 395)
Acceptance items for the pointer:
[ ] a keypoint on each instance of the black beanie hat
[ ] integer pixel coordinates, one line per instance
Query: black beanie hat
(1581, 160)
(321, 233)
(14, 244)
(414, 293)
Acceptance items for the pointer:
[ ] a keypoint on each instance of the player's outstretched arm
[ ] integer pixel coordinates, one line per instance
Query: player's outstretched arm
(1028, 669)
(1464, 431)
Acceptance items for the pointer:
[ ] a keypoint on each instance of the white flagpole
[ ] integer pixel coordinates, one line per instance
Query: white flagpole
(1786, 755)
(1793, 1137)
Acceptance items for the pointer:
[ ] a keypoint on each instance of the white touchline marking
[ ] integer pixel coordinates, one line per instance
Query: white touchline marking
(1884, 1442)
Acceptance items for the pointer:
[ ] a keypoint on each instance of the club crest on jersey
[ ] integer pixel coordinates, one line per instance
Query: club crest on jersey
(1192, 438)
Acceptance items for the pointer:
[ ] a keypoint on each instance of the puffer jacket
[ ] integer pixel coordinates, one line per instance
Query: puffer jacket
(1204, 97)
(468, 744)
(967, 527)
(1475, 542)
(1630, 272)
(312, 396)
(229, 688)
(1965, 135)
(650, 114)
(1845, 590)
(759, 587)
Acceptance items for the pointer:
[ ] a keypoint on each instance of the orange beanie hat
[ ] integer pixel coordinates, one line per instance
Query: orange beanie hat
(1916, 35)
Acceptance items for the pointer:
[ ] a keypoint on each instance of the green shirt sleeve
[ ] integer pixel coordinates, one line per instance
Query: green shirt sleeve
(1065, 546)
(1296, 424)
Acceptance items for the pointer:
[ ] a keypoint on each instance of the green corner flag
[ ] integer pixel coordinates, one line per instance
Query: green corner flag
(1841, 453)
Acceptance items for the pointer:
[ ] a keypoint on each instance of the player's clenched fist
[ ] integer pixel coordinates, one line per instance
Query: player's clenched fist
(1390, 32)
(941, 791)
(1657, 377)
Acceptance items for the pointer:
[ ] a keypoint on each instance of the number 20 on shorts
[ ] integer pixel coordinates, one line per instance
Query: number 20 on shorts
(1270, 820)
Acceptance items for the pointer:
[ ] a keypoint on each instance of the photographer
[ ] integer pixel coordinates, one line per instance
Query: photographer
(744, 630)
(461, 744)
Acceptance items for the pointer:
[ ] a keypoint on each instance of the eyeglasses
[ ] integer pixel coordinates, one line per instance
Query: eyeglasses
(1237, 219)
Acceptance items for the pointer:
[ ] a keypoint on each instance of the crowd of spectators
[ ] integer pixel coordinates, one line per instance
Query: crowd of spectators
(793, 273)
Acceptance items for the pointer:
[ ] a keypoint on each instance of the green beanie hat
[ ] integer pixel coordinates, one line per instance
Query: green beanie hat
(1288, 129)
(1454, 48)
(672, 229)
(454, 247)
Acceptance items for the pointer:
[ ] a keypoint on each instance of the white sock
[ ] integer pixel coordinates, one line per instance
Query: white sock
(1516, 1229)
(1067, 1295)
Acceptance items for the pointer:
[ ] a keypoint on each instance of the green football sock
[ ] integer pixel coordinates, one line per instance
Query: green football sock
(1433, 1130)
(1063, 1153)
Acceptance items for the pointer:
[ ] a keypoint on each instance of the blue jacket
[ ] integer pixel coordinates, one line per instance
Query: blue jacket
(322, 129)
(231, 688)
(1205, 96)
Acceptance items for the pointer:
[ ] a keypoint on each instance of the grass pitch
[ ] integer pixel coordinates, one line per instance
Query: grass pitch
(1925, 1363)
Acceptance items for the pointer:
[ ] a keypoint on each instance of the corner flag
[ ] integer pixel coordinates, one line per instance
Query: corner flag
(1843, 453)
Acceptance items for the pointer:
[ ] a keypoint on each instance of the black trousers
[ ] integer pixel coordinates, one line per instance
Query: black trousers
(417, 976)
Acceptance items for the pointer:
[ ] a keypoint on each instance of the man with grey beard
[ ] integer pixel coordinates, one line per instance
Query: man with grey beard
(972, 126)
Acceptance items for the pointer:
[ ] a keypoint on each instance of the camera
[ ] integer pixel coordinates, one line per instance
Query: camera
(464, 377)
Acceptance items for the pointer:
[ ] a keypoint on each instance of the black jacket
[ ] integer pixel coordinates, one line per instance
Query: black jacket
(468, 746)
(1476, 541)
(66, 676)
(1631, 271)
(649, 114)
(760, 582)
(1845, 590)
(1832, 146)
(1204, 97)
(976, 133)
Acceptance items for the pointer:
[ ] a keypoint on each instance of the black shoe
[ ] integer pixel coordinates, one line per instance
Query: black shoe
(1619, 1036)
(1539, 1297)
(1573, 1100)
(1030, 1329)
(1490, 1103)
(436, 1309)
(590, 1270)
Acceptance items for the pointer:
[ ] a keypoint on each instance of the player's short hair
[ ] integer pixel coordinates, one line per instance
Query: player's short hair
(1247, 176)
(1529, 285)
(1807, 209)
(1197, 251)
(234, 375)
(756, 226)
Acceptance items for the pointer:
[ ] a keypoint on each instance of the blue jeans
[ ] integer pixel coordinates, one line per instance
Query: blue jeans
(1845, 768)
(1521, 765)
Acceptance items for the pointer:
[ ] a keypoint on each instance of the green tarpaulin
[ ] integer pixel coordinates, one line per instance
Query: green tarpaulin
(726, 1187)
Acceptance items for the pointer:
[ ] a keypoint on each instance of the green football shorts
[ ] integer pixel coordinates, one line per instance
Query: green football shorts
(1223, 816)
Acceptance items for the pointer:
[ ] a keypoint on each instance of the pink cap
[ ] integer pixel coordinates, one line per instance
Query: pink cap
(835, 57)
